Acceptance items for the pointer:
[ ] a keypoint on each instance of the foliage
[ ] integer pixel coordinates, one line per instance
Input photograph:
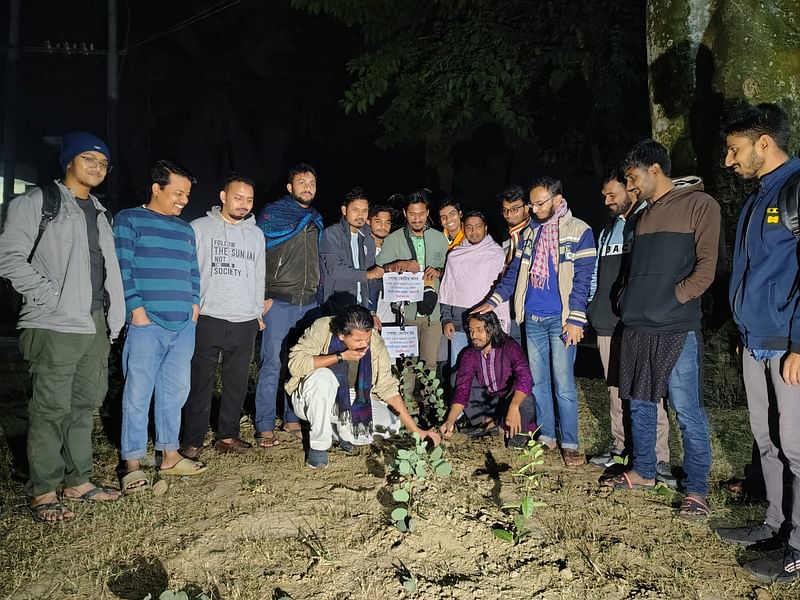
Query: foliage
(422, 392)
(514, 531)
(412, 467)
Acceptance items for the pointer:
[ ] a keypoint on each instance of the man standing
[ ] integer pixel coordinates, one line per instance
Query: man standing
(69, 278)
(516, 210)
(380, 226)
(472, 269)
(347, 256)
(417, 248)
(230, 255)
(158, 259)
(549, 279)
(672, 263)
(342, 384)
(503, 394)
(292, 229)
(613, 253)
(764, 295)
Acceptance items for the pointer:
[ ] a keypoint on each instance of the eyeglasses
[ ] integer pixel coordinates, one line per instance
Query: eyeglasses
(91, 161)
(543, 202)
(511, 210)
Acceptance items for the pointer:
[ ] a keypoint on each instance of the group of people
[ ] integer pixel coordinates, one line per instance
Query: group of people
(503, 320)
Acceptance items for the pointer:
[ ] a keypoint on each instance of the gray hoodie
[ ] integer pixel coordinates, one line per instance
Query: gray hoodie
(232, 267)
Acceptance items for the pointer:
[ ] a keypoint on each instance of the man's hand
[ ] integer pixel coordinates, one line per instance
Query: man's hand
(260, 324)
(447, 429)
(571, 334)
(431, 273)
(354, 354)
(449, 331)
(791, 369)
(139, 316)
(432, 435)
(375, 273)
(400, 266)
(195, 312)
(513, 423)
(482, 309)
(267, 305)
(376, 322)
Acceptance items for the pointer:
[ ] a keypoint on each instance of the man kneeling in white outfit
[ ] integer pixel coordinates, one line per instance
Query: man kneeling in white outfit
(342, 384)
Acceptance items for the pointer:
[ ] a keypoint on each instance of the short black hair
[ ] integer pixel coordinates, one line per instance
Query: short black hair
(422, 196)
(162, 169)
(450, 201)
(374, 209)
(351, 318)
(301, 168)
(491, 323)
(614, 173)
(234, 177)
(512, 193)
(355, 193)
(551, 184)
(647, 153)
(762, 119)
(475, 213)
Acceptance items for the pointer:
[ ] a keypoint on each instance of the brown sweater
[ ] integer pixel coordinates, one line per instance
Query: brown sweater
(673, 260)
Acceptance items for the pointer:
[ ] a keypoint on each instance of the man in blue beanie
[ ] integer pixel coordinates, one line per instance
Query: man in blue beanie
(73, 306)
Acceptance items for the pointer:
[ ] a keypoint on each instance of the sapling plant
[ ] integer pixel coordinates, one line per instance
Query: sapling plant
(412, 467)
(422, 391)
(517, 529)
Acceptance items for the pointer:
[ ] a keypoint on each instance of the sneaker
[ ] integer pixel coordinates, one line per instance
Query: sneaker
(347, 448)
(317, 459)
(746, 536)
(777, 567)
(664, 475)
(607, 459)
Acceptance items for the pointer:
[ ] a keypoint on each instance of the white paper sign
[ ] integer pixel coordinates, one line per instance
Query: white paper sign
(401, 342)
(403, 287)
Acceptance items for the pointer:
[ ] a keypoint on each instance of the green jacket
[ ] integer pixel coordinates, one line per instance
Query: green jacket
(395, 247)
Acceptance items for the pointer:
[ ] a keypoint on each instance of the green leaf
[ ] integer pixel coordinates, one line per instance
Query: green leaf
(400, 496)
(526, 506)
(420, 470)
(502, 534)
(401, 525)
(410, 585)
(399, 513)
(403, 453)
(404, 468)
(440, 392)
(444, 469)
(436, 453)
(519, 523)
(412, 525)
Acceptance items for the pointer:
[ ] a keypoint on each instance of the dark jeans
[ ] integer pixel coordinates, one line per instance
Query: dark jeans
(235, 341)
(69, 374)
(483, 406)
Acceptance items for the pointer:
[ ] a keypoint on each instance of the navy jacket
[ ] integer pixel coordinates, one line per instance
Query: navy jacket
(764, 268)
(338, 273)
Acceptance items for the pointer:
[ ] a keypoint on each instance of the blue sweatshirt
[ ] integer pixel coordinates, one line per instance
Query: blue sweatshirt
(765, 264)
(158, 260)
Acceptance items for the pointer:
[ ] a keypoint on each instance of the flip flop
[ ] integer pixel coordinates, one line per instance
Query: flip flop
(185, 466)
(38, 511)
(128, 481)
(623, 482)
(297, 432)
(88, 497)
(693, 509)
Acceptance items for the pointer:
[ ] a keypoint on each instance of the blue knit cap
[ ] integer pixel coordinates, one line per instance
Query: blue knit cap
(75, 142)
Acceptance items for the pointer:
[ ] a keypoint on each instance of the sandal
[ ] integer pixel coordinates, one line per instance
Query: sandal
(185, 466)
(694, 509)
(38, 512)
(295, 429)
(89, 497)
(623, 482)
(574, 458)
(133, 482)
(266, 439)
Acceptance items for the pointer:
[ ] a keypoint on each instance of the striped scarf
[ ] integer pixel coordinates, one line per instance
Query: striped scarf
(359, 413)
(456, 241)
(546, 248)
(514, 233)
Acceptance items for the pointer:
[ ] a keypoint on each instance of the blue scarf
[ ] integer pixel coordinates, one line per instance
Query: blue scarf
(360, 412)
(284, 219)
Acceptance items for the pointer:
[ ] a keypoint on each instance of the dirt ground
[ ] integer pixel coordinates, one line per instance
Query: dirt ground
(264, 526)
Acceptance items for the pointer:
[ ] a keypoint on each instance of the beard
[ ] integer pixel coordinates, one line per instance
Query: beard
(621, 208)
(549, 214)
(753, 166)
(302, 201)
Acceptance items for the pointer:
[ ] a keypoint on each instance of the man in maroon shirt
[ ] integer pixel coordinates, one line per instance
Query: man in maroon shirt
(496, 363)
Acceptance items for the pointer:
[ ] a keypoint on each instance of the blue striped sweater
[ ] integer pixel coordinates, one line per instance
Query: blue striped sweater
(158, 260)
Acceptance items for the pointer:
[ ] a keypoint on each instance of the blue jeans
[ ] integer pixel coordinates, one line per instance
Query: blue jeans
(551, 365)
(685, 395)
(157, 359)
(281, 318)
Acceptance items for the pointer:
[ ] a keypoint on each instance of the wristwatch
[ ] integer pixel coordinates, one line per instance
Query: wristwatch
(339, 357)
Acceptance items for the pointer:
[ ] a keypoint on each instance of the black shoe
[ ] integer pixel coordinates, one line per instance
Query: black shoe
(746, 536)
(778, 567)
(347, 448)
(664, 475)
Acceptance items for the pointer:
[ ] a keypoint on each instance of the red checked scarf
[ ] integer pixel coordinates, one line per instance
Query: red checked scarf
(546, 248)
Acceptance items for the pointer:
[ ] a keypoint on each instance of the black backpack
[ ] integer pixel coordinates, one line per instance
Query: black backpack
(789, 211)
(11, 299)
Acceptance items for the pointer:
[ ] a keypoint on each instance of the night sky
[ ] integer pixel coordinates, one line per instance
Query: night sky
(253, 86)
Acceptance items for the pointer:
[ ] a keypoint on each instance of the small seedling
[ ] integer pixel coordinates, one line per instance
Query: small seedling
(422, 391)
(517, 529)
(621, 460)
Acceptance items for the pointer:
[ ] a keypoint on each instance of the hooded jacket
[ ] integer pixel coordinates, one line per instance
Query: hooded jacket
(673, 260)
(231, 260)
(56, 284)
(339, 275)
(765, 265)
